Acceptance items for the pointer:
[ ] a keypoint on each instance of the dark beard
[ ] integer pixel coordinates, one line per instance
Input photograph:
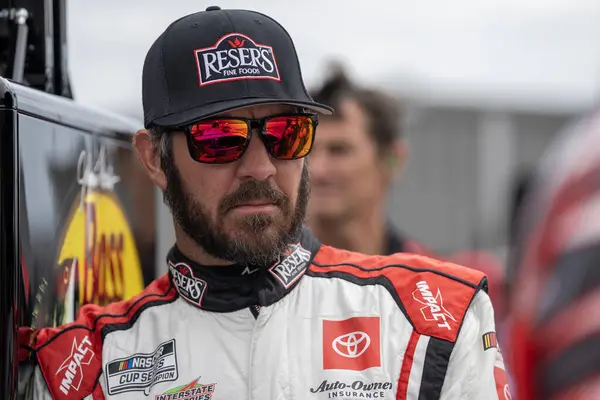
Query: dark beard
(254, 245)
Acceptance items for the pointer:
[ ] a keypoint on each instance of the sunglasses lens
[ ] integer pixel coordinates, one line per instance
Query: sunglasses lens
(290, 137)
(218, 141)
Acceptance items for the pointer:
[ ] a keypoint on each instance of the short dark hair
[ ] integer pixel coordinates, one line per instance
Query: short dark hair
(163, 143)
(383, 112)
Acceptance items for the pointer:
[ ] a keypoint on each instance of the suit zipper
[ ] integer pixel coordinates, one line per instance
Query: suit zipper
(255, 310)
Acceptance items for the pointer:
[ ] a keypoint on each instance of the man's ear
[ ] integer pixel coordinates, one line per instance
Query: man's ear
(395, 159)
(149, 158)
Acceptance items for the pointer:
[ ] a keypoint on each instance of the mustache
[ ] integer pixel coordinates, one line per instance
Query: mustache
(253, 190)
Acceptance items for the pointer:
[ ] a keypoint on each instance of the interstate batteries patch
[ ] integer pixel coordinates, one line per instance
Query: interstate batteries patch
(140, 372)
(191, 391)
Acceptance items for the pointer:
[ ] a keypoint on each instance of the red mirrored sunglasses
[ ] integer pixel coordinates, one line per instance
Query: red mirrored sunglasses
(224, 140)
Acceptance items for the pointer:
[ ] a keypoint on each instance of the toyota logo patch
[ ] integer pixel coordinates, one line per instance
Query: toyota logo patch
(351, 345)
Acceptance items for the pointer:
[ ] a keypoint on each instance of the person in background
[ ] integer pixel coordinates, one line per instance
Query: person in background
(555, 293)
(357, 155)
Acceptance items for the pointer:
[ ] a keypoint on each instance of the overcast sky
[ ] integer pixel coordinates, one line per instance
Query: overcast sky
(520, 53)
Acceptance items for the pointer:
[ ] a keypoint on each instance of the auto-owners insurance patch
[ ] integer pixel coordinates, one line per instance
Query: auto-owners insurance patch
(142, 371)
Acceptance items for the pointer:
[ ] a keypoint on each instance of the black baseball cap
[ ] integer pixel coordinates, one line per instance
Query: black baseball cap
(217, 60)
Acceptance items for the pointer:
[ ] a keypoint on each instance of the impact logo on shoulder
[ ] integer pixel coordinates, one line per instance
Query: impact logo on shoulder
(189, 287)
(140, 372)
(291, 265)
(433, 305)
(236, 56)
(69, 363)
(70, 371)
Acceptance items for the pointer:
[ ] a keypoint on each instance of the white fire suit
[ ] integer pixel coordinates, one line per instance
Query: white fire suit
(319, 323)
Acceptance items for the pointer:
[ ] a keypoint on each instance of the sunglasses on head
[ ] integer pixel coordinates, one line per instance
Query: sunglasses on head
(224, 140)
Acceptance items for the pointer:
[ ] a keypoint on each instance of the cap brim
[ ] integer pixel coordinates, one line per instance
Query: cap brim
(192, 115)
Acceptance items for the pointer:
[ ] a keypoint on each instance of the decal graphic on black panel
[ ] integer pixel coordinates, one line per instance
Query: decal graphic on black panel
(291, 265)
(187, 284)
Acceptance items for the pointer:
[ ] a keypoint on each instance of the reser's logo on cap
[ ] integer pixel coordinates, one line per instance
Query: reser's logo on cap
(236, 56)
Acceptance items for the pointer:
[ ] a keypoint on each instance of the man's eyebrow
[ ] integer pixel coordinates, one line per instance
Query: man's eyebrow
(337, 143)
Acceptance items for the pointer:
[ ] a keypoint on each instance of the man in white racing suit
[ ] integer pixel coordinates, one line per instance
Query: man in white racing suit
(252, 305)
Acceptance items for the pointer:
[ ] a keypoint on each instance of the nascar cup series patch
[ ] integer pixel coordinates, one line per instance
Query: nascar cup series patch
(140, 372)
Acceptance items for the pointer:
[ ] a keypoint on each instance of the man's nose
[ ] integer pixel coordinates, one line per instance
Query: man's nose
(256, 162)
